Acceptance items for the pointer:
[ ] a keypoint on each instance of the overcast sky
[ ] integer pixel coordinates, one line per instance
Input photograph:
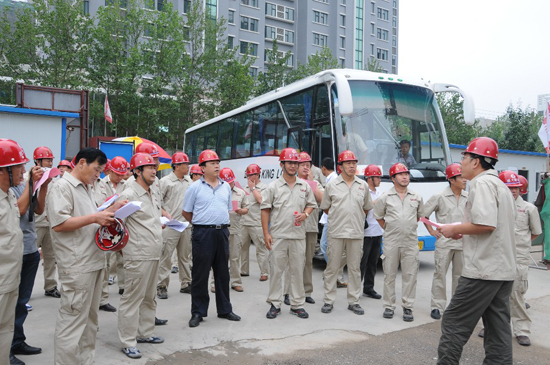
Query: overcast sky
(498, 50)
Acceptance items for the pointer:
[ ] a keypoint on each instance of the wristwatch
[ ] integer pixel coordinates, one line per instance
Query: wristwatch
(254, 188)
(307, 215)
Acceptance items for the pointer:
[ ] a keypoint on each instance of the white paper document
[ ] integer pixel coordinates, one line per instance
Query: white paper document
(128, 209)
(48, 173)
(174, 224)
(107, 203)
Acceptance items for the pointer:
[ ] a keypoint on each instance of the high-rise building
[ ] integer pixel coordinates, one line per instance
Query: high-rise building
(354, 30)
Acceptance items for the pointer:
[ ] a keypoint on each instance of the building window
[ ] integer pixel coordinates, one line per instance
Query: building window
(342, 62)
(186, 6)
(372, 7)
(160, 4)
(372, 50)
(383, 14)
(382, 34)
(393, 60)
(372, 26)
(231, 17)
(253, 71)
(382, 54)
(343, 2)
(211, 9)
(270, 32)
(359, 29)
(270, 9)
(395, 4)
(253, 3)
(86, 8)
(289, 14)
(320, 39)
(289, 36)
(230, 41)
(250, 24)
(342, 42)
(394, 41)
(251, 48)
(394, 22)
(319, 17)
(342, 20)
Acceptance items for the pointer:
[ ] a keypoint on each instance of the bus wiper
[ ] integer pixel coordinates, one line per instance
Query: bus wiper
(386, 131)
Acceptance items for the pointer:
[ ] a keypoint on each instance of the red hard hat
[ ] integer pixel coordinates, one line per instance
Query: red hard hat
(510, 178)
(107, 166)
(113, 237)
(11, 153)
(346, 156)
(73, 162)
(253, 169)
(372, 170)
(453, 170)
(65, 163)
(483, 146)
(196, 169)
(42, 152)
(524, 185)
(397, 169)
(304, 157)
(227, 175)
(141, 159)
(119, 165)
(289, 154)
(179, 157)
(208, 155)
(149, 148)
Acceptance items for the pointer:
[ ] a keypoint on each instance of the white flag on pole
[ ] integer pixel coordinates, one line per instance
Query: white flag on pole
(108, 116)
(544, 131)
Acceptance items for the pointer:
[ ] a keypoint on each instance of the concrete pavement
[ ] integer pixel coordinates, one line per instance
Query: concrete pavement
(257, 339)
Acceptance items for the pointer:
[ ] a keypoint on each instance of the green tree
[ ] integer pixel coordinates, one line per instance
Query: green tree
(373, 65)
(277, 69)
(320, 61)
(522, 129)
(458, 132)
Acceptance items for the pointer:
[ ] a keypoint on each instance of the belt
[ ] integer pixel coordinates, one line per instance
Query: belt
(217, 226)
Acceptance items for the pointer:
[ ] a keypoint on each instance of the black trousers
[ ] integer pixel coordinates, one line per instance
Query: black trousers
(28, 274)
(210, 250)
(473, 299)
(369, 261)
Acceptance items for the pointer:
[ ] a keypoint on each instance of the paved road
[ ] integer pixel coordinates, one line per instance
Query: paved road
(339, 337)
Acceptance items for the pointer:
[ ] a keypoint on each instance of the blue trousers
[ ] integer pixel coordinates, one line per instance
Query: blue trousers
(28, 274)
(324, 242)
(210, 250)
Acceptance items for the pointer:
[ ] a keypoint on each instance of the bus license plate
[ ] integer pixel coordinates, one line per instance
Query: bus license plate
(421, 245)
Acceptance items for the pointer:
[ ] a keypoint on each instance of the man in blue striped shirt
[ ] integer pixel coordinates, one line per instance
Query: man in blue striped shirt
(206, 205)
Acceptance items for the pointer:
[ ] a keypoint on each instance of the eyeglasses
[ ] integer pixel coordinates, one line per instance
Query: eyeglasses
(464, 156)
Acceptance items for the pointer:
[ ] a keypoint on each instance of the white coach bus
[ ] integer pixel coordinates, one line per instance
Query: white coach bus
(334, 110)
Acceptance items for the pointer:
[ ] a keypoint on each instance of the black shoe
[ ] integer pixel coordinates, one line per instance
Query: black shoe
(372, 294)
(24, 349)
(245, 274)
(408, 315)
(527, 306)
(195, 320)
(300, 313)
(310, 300)
(107, 308)
(175, 270)
(388, 313)
(481, 333)
(162, 292)
(287, 299)
(160, 322)
(230, 316)
(327, 308)
(186, 290)
(54, 293)
(15, 361)
(120, 291)
(273, 312)
(436, 314)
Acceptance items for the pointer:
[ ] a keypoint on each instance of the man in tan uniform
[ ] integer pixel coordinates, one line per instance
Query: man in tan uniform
(173, 189)
(449, 208)
(287, 203)
(398, 211)
(238, 196)
(489, 261)
(12, 168)
(346, 201)
(252, 225)
(527, 228)
(73, 215)
(136, 319)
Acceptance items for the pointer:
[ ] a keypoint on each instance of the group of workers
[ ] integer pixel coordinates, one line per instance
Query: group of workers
(484, 234)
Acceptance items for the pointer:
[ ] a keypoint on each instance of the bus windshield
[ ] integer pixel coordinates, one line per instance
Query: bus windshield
(392, 123)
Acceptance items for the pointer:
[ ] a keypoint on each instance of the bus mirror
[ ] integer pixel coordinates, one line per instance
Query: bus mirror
(468, 105)
(345, 102)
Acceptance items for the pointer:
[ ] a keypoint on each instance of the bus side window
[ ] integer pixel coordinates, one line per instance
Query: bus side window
(211, 136)
(243, 135)
(225, 139)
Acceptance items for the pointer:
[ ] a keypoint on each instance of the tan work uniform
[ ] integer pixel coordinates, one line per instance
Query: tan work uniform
(345, 206)
(235, 239)
(80, 265)
(141, 256)
(252, 231)
(448, 209)
(11, 257)
(527, 224)
(173, 191)
(44, 242)
(289, 244)
(400, 243)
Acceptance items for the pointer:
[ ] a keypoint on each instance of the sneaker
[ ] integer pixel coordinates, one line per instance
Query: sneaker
(327, 308)
(186, 290)
(162, 292)
(340, 284)
(300, 313)
(29, 307)
(175, 270)
(273, 312)
(131, 352)
(54, 293)
(388, 313)
(152, 339)
(436, 314)
(287, 299)
(408, 315)
(356, 308)
(111, 280)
